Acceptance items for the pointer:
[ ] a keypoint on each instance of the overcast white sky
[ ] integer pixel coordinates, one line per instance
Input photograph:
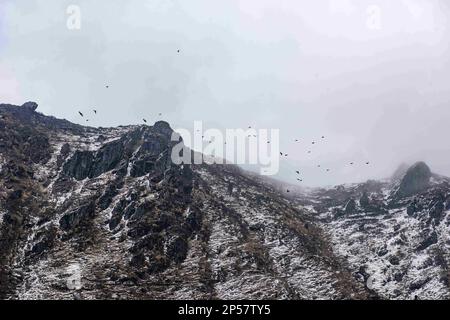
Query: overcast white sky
(378, 92)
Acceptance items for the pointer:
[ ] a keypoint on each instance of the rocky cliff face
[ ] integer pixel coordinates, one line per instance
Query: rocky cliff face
(103, 213)
(416, 179)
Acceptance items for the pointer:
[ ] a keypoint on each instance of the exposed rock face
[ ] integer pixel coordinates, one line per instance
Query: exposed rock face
(416, 180)
(32, 106)
(350, 207)
(400, 243)
(90, 213)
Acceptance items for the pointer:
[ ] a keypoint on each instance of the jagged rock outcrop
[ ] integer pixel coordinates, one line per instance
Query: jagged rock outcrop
(350, 207)
(416, 179)
(32, 106)
(399, 243)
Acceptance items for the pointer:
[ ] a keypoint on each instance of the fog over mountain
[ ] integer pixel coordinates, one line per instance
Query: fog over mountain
(370, 76)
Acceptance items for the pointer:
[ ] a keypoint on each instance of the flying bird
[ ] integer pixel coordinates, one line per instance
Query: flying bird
(81, 114)
(95, 111)
(298, 172)
(144, 120)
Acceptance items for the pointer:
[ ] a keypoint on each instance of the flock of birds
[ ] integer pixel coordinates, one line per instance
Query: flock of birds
(95, 112)
(297, 172)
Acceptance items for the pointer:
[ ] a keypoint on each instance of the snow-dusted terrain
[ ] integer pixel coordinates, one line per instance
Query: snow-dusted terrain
(103, 213)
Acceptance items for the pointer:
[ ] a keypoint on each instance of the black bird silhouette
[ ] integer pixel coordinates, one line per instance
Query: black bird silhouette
(144, 120)
(313, 142)
(323, 137)
(106, 87)
(95, 111)
(288, 191)
(281, 153)
(80, 113)
(352, 163)
(319, 166)
(328, 170)
(178, 50)
(298, 172)
(367, 162)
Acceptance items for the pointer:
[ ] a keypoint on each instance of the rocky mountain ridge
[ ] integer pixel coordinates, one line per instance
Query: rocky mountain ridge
(103, 213)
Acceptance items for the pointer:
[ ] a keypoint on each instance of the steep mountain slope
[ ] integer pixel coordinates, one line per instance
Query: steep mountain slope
(103, 213)
(394, 234)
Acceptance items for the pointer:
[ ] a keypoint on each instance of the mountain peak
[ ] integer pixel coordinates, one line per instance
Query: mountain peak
(416, 179)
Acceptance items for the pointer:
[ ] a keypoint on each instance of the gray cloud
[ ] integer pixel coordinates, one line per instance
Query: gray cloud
(310, 69)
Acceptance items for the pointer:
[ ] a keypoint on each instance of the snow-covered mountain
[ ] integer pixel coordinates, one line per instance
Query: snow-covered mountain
(103, 213)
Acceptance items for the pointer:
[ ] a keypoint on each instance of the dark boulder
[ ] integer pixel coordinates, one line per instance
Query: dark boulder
(428, 242)
(394, 260)
(411, 209)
